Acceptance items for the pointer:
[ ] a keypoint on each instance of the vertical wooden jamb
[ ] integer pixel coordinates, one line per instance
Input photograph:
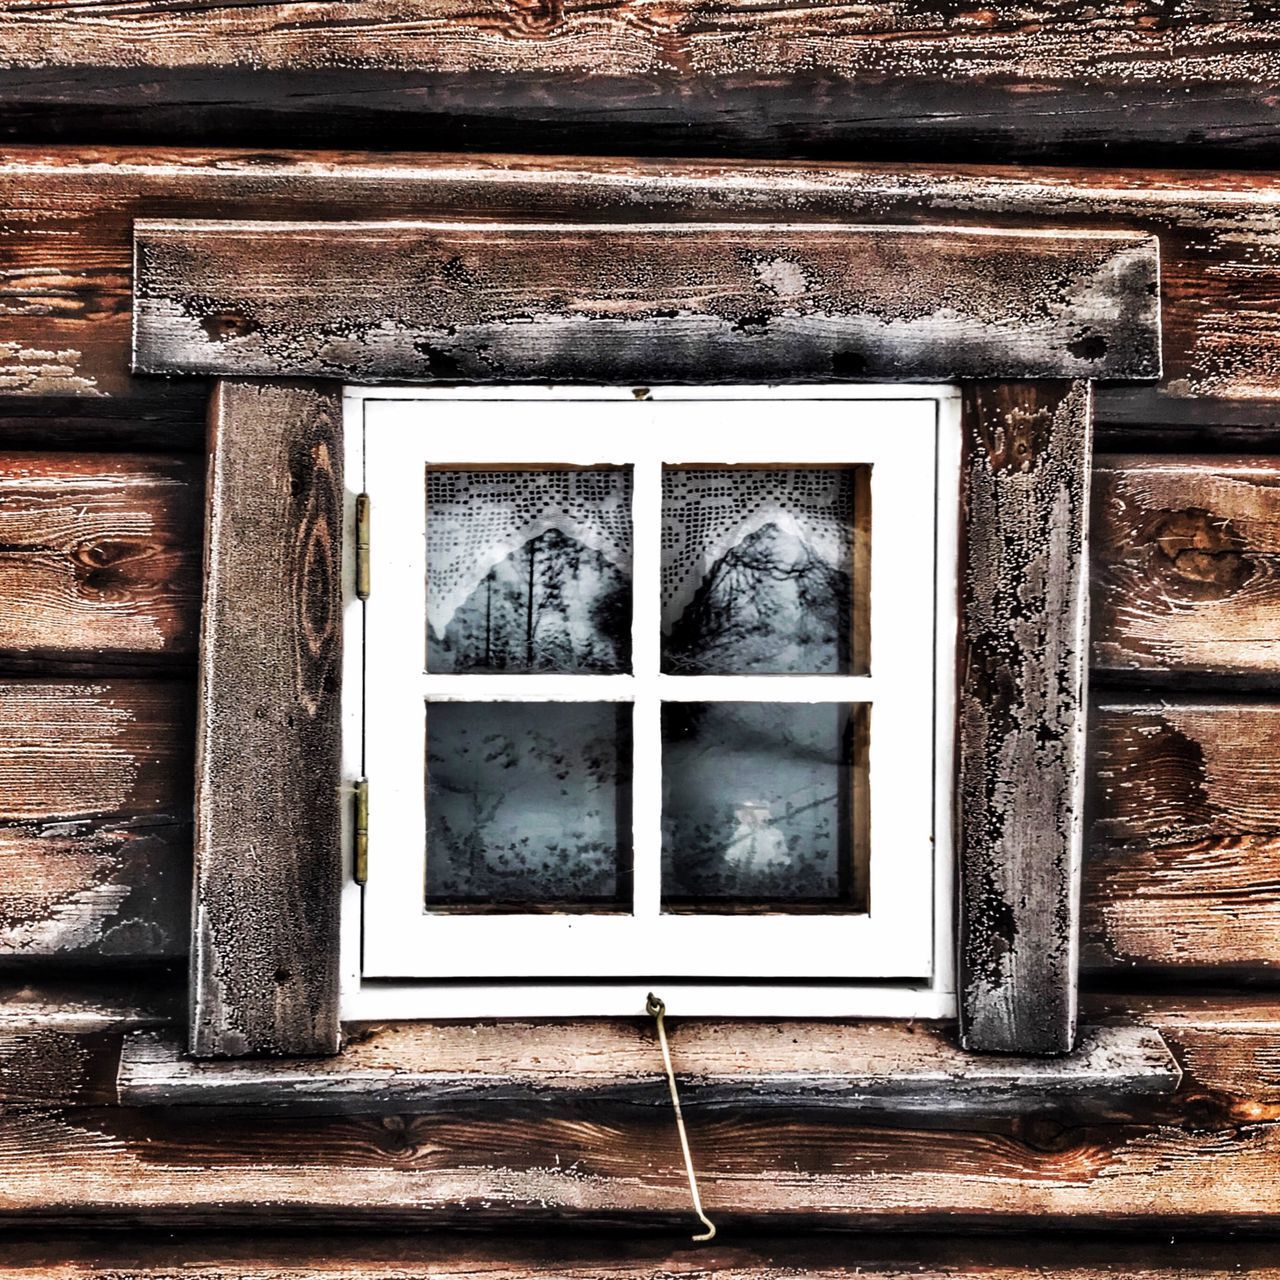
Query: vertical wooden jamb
(264, 967)
(1021, 711)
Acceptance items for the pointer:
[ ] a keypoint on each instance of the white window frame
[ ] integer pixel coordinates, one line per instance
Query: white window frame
(895, 960)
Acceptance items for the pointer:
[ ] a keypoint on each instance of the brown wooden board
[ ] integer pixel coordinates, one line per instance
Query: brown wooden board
(67, 221)
(886, 1068)
(1185, 567)
(1021, 712)
(268, 847)
(99, 560)
(1184, 865)
(488, 1168)
(95, 820)
(662, 302)
(1135, 83)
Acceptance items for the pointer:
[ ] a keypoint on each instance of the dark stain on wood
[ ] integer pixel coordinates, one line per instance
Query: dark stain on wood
(268, 869)
(1020, 735)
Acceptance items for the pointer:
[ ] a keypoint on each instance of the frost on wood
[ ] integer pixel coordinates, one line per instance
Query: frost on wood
(1020, 732)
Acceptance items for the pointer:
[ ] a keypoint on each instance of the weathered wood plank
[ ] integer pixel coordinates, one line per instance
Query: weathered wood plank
(99, 558)
(624, 1256)
(1185, 567)
(1184, 864)
(664, 301)
(268, 845)
(67, 219)
(493, 1167)
(95, 819)
(885, 1068)
(1226, 1046)
(1021, 712)
(1038, 81)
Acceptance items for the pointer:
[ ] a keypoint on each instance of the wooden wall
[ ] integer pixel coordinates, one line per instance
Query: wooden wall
(100, 493)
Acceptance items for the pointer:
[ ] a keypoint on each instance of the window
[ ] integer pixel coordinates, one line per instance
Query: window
(652, 686)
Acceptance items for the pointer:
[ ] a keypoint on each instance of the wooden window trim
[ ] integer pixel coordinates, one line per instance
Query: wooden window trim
(1025, 319)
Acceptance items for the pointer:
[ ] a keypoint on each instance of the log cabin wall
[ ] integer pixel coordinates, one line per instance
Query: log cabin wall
(113, 111)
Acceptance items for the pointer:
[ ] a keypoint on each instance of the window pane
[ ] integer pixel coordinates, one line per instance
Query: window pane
(529, 569)
(758, 570)
(528, 803)
(763, 804)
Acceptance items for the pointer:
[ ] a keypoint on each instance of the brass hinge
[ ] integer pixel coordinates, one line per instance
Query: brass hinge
(361, 859)
(362, 546)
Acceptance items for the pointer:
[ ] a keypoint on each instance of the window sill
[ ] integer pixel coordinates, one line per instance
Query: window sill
(846, 1067)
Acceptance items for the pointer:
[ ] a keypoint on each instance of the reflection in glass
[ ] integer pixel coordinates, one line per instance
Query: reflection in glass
(757, 570)
(758, 802)
(528, 803)
(529, 570)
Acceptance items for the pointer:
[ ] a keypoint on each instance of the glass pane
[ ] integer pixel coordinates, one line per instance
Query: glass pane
(763, 804)
(758, 570)
(528, 804)
(529, 569)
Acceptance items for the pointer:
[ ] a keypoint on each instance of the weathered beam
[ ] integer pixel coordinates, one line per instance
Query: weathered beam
(95, 820)
(1224, 1044)
(99, 559)
(268, 843)
(579, 1255)
(67, 217)
(522, 1167)
(885, 1068)
(663, 301)
(1021, 712)
(1035, 81)
(1185, 567)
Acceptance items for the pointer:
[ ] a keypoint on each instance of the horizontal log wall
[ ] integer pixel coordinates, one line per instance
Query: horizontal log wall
(1134, 83)
(1202, 1157)
(1183, 869)
(1182, 875)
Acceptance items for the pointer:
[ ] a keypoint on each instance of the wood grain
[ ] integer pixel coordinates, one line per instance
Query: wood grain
(1134, 83)
(1185, 567)
(493, 1168)
(1184, 863)
(882, 1068)
(664, 301)
(1020, 713)
(99, 559)
(268, 845)
(95, 820)
(67, 219)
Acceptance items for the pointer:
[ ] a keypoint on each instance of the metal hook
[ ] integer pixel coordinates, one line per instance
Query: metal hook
(656, 1009)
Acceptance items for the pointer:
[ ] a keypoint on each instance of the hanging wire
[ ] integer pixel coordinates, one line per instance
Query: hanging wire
(656, 1009)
